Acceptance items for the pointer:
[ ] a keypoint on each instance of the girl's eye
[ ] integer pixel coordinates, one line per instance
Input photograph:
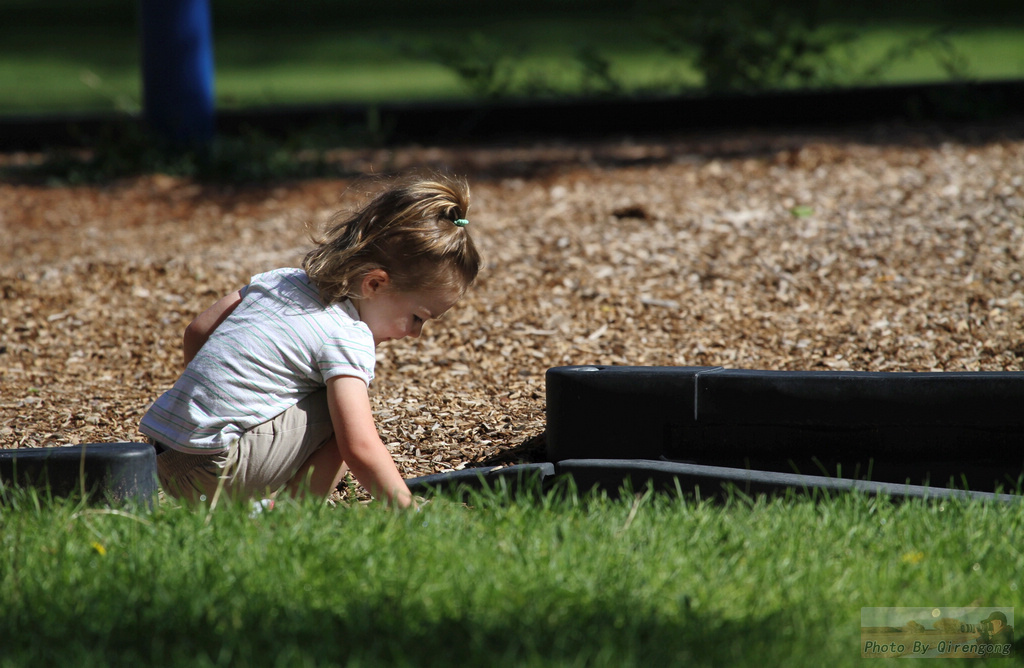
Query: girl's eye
(417, 319)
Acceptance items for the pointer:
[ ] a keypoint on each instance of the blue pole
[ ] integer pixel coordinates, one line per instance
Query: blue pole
(177, 69)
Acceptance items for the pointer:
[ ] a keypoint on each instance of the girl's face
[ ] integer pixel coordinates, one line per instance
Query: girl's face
(393, 315)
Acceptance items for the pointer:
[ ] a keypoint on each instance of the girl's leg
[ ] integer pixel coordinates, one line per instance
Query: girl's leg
(292, 449)
(320, 473)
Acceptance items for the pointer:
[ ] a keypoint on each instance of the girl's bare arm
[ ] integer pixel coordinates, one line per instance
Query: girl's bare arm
(199, 330)
(360, 445)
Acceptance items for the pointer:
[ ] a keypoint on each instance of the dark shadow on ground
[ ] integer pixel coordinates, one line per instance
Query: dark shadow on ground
(520, 139)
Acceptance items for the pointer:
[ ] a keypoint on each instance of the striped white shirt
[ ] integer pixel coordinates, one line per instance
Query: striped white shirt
(280, 344)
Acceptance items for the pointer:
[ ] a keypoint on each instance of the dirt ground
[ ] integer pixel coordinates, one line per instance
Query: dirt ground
(879, 249)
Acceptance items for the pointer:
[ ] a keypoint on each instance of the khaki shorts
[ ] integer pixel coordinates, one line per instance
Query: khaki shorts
(259, 463)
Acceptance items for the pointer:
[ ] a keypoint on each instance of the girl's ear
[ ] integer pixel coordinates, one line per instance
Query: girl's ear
(373, 282)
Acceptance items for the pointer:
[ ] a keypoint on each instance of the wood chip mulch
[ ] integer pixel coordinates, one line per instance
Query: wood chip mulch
(882, 249)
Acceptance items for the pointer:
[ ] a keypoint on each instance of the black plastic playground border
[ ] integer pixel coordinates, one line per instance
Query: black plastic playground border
(126, 473)
(461, 122)
(704, 482)
(925, 427)
(107, 472)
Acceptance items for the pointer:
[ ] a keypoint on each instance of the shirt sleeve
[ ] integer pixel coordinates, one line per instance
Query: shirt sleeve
(349, 352)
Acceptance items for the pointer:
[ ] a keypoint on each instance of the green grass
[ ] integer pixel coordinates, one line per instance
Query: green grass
(528, 580)
(60, 68)
(988, 52)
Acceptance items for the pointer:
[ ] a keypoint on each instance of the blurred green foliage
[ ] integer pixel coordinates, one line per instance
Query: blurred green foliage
(771, 44)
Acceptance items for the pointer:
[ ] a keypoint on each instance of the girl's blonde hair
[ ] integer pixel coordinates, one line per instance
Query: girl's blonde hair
(409, 231)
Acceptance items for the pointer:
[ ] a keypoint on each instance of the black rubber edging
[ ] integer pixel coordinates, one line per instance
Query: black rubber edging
(705, 482)
(718, 482)
(926, 427)
(477, 478)
(126, 472)
(113, 472)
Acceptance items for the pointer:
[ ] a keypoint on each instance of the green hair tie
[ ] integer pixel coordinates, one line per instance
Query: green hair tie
(460, 222)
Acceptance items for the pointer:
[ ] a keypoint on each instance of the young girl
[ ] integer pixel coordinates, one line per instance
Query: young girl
(274, 393)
